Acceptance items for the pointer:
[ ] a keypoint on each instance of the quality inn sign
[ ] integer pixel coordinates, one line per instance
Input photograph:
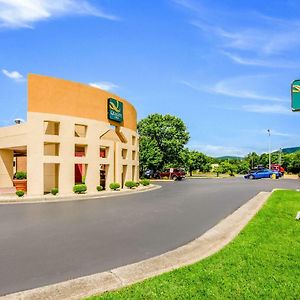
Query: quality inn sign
(115, 110)
(295, 92)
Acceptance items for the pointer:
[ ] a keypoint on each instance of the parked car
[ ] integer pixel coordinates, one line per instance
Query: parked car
(263, 173)
(172, 173)
(150, 174)
(278, 167)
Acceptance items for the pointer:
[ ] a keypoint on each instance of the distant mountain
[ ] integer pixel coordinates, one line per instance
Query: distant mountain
(290, 150)
(229, 157)
(284, 150)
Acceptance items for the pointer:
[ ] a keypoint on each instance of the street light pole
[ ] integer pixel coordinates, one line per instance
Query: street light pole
(280, 151)
(269, 132)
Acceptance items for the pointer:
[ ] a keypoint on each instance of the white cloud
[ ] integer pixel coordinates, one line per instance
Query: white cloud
(252, 34)
(104, 85)
(244, 87)
(24, 13)
(267, 109)
(268, 38)
(260, 62)
(15, 75)
(236, 87)
(217, 150)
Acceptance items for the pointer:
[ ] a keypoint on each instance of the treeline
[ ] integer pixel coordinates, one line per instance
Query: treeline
(163, 140)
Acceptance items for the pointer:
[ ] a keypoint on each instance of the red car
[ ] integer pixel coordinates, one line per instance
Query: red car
(277, 167)
(172, 173)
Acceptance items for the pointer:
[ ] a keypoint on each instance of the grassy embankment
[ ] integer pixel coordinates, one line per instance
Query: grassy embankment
(263, 262)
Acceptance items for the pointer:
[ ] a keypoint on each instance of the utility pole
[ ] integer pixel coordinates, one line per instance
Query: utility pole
(280, 151)
(269, 133)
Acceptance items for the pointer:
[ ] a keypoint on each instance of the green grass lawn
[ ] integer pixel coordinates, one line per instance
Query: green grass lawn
(263, 262)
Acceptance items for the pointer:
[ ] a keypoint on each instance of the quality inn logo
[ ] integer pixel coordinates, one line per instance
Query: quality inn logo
(296, 88)
(115, 110)
(295, 93)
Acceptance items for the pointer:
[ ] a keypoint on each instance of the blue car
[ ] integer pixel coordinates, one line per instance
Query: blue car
(263, 173)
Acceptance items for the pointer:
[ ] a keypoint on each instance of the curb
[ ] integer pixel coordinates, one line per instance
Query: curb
(74, 197)
(207, 244)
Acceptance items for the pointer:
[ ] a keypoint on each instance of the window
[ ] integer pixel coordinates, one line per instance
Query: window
(51, 149)
(124, 153)
(104, 151)
(133, 140)
(80, 130)
(133, 173)
(80, 173)
(51, 127)
(80, 150)
(133, 155)
(51, 176)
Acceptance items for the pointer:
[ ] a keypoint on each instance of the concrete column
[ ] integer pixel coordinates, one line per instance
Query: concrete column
(67, 154)
(118, 163)
(93, 155)
(6, 168)
(35, 151)
(128, 176)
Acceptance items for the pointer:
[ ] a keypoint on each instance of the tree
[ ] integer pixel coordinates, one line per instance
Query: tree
(264, 160)
(243, 167)
(218, 169)
(150, 155)
(287, 161)
(294, 165)
(167, 134)
(227, 167)
(194, 160)
(253, 159)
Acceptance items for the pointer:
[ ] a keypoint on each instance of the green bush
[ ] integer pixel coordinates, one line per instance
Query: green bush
(114, 186)
(20, 193)
(79, 188)
(99, 188)
(130, 184)
(21, 175)
(145, 182)
(137, 184)
(54, 191)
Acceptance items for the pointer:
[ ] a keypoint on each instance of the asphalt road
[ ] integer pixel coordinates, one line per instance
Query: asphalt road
(46, 243)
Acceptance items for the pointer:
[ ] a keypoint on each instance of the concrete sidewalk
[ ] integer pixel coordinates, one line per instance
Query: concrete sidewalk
(13, 199)
(209, 243)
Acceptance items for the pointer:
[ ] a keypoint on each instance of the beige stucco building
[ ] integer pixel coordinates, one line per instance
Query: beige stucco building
(74, 133)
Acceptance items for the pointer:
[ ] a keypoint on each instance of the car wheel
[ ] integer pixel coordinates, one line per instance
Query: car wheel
(251, 177)
(174, 177)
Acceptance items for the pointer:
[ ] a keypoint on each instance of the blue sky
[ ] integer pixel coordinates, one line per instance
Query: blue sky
(224, 67)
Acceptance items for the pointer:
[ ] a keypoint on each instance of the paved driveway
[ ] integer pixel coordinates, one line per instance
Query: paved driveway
(45, 243)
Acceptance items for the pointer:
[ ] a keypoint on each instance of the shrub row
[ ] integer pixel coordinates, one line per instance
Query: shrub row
(82, 188)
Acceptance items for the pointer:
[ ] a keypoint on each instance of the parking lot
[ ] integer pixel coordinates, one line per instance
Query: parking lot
(47, 243)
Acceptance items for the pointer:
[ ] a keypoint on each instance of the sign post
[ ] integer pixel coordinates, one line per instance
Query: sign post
(295, 93)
